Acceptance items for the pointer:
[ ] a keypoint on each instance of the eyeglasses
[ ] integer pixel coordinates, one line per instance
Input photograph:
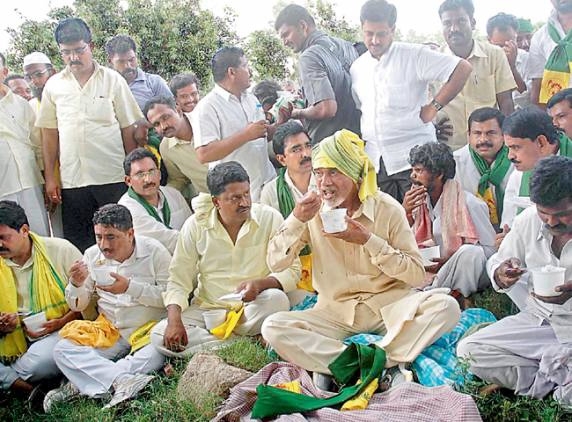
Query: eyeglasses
(36, 75)
(143, 174)
(77, 51)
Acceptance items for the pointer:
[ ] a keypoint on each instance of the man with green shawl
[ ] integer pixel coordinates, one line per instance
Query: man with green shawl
(364, 275)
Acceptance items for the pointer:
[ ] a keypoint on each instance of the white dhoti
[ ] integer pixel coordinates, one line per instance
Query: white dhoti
(32, 200)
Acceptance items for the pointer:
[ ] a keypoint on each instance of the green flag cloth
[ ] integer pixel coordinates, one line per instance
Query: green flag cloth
(365, 362)
(286, 201)
(494, 174)
(556, 74)
(166, 211)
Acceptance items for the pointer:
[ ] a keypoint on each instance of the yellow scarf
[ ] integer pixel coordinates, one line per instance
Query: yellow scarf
(98, 333)
(47, 293)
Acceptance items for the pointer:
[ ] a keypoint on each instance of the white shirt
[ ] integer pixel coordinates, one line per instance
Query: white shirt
(220, 115)
(531, 243)
(269, 195)
(512, 199)
(522, 99)
(541, 45)
(390, 93)
(148, 271)
(146, 225)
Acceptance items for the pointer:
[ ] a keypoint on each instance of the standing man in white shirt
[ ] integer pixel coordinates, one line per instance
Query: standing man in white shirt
(390, 82)
(158, 211)
(229, 123)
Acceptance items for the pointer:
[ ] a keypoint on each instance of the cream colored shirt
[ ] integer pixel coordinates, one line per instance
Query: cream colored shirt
(62, 254)
(378, 273)
(89, 122)
(269, 195)
(147, 268)
(208, 264)
(490, 76)
(20, 146)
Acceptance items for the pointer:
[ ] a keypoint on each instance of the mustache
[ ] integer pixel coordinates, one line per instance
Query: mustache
(241, 209)
(128, 72)
(485, 144)
(558, 227)
(306, 160)
(514, 161)
(75, 62)
(149, 185)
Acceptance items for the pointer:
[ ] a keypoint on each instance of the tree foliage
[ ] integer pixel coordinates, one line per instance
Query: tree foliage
(327, 20)
(267, 55)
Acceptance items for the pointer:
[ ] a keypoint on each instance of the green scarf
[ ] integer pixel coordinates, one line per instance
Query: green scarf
(166, 211)
(367, 362)
(556, 74)
(494, 174)
(286, 201)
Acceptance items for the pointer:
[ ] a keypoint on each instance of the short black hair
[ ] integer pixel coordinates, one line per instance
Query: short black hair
(529, 123)
(160, 99)
(564, 94)
(2, 60)
(551, 180)
(378, 11)
(136, 155)
(292, 15)
(466, 5)
(502, 22)
(285, 130)
(182, 80)
(266, 91)
(223, 59)
(435, 157)
(72, 30)
(483, 114)
(120, 44)
(12, 77)
(113, 215)
(12, 215)
(224, 174)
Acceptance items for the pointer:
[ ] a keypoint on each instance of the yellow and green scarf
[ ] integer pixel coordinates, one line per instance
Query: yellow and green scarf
(556, 74)
(47, 293)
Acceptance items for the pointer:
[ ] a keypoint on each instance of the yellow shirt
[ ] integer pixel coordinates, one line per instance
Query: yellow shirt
(378, 273)
(205, 258)
(490, 76)
(89, 120)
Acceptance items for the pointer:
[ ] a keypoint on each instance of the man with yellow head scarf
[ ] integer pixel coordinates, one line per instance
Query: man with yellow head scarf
(364, 275)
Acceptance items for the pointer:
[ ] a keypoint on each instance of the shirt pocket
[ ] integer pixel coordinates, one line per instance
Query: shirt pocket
(395, 97)
(481, 90)
(100, 110)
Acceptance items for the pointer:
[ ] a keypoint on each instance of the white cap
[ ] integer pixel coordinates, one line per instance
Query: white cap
(36, 58)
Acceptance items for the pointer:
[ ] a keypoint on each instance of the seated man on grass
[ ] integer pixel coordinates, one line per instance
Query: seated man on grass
(128, 273)
(364, 275)
(222, 251)
(443, 214)
(530, 352)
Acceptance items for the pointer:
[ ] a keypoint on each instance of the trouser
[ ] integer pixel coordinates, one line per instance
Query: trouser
(35, 365)
(93, 370)
(255, 312)
(519, 353)
(78, 207)
(313, 338)
(464, 271)
(32, 200)
(395, 185)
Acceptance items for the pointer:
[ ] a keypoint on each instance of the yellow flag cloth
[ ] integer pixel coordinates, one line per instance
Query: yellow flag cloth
(489, 198)
(344, 151)
(293, 386)
(305, 281)
(47, 293)
(98, 333)
(224, 330)
(141, 337)
(362, 400)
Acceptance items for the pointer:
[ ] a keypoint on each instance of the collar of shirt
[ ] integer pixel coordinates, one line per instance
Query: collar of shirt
(477, 50)
(26, 264)
(173, 142)
(140, 251)
(553, 19)
(293, 188)
(225, 94)
(367, 208)
(141, 76)
(311, 39)
(213, 222)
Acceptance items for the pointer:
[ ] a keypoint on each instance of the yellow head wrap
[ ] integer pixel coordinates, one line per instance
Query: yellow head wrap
(344, 151)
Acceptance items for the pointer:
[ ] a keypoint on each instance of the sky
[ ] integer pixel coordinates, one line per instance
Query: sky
(418, 15)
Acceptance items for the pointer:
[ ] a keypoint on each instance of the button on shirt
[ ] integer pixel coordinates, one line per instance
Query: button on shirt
(146, 86)
(391, 92)
(89, 120)
(20, 149)
(530, 242)
(220, 115)
(147, 268)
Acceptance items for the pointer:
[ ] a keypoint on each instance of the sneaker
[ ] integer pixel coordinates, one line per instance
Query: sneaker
(63, 394)
(128, 386)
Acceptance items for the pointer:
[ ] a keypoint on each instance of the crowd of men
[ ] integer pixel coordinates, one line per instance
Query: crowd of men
(132, 212)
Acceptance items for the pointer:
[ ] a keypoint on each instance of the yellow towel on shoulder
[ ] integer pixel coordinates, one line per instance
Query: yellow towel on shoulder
(98, 333)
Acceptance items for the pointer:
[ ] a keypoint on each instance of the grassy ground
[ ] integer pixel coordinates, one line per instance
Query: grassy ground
(159, 401)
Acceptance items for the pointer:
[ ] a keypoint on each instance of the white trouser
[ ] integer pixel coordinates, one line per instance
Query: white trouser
(519, 353)
(32, 200)
(93, 370)
(255, 312)
(35, 365)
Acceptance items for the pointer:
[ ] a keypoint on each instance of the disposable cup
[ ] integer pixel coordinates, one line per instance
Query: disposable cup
(428, 253)
(214, 318)
(35, 322)
(334, 220)
(102, 275)
(546, 279)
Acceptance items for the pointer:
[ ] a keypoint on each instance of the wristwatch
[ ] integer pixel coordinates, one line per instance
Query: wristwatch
(438, 106)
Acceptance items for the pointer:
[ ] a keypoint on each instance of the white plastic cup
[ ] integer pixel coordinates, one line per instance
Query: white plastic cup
(214, 318)
(102, 275)
(546, 279)
(428, 253)
(35, 322)
(334, 220)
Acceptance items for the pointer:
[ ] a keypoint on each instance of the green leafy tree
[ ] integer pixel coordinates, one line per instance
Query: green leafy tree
(327, 20)
(267, 55)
